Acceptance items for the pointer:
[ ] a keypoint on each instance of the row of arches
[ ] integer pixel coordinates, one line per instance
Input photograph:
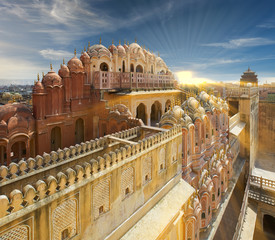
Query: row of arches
(21, 147)
(155, 114)
(139, 68)
(105, 67)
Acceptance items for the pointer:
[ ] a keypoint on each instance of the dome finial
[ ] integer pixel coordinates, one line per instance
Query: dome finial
(63, 61)
(51, 67)
(75, 51)
(100, 40)
(128, 43)
(89, 44)
(112, 41)
(124, 41)
(84, 48)
(158, 54)
(119, 42)
(42, 74)
(135, 40)
(38, 77)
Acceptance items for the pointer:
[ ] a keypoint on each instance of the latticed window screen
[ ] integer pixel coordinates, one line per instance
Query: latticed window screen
(127, 181)
(101, 197)
(161, 159)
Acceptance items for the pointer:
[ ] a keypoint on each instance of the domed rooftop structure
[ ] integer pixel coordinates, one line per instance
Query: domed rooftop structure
(51, 79)
(160, 62)
(14, 116)
(126, 47)
(136, 52)
(38, 87)
(85, 58)
(112, 48)
(121, 51)
(75, 65)
(64, 71)
(99, 51)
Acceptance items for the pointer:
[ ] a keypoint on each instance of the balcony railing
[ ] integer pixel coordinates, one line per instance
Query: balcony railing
(242, 92)
(117, 80)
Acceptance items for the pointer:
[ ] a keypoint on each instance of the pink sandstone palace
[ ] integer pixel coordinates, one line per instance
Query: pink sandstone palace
(114, 149)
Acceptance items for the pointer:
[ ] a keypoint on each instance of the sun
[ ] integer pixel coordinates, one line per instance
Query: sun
(186, 77)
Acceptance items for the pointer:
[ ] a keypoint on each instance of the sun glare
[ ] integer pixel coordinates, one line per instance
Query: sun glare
(187, 77)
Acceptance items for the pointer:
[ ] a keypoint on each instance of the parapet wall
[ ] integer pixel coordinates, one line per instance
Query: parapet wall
(124, 179)
(40, 167)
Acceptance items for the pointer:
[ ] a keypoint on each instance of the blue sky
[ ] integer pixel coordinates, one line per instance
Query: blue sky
(215, 39)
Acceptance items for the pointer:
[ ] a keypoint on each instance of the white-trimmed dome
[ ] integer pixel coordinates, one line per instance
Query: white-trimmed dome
(99, 50)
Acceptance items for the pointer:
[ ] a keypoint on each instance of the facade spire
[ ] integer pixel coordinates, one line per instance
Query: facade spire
(128, 43)
(38, 77)
(42, 74)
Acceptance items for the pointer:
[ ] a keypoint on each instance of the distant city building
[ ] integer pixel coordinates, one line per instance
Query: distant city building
(249, 78)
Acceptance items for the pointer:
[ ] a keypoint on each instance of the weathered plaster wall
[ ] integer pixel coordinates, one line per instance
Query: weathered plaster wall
(266, 127)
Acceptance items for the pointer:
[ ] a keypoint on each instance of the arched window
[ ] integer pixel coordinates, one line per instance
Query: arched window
(155, 113)
(79, 131)
(55, 138)
(139, 69)
(141, 114)
(18, 151)
(104, 67)
(203, 215)
(167, 105)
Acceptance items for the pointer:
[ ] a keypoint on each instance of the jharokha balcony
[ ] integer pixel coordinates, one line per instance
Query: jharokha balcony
(117, 80)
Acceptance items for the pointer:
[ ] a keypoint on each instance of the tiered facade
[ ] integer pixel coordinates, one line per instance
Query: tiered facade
(69, 186)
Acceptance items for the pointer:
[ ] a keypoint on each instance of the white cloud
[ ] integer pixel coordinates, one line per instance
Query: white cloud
(55, 54)
(64, 21)
(268, 25)
(242, 42)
